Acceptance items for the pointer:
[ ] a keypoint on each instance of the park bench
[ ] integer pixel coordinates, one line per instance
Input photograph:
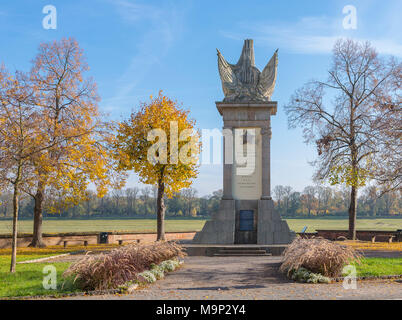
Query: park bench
(121, 241)
(385, 238)
(302, 233)
(398, 236)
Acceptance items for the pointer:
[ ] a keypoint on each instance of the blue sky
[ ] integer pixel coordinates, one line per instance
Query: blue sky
(136, 48)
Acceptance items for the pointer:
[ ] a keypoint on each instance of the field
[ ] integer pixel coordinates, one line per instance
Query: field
(141, 225)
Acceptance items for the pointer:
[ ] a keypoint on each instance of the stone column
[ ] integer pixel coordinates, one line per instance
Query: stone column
(266, 162)
(228, 146)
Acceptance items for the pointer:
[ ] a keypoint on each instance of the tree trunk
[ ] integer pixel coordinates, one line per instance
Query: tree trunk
(161, 212)
(37, 241)
(15, 227)
(353, 214)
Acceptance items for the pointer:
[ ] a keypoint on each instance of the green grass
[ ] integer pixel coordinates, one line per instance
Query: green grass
(27, 280)
(106, 225)
(343, 224)
(142, 225)
(379, 267)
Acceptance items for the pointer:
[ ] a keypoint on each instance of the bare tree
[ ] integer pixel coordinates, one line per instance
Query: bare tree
(132, 194)
(279, 195)
(348, 127)
(189, 195)
(324, 195)
(145, 192)
(309, 196)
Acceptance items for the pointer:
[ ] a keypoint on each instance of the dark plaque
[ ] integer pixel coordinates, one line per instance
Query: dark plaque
(246, 219)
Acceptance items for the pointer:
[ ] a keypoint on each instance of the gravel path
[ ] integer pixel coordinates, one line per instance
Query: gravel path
(237, 278)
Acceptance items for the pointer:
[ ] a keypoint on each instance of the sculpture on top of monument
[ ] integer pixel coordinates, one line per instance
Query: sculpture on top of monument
(243, 82)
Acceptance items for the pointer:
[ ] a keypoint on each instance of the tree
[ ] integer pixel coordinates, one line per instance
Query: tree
(171, 162)
(309, 198)
(287, 193)
(68, 106)
(347, 127)
(20, 140)
(189, 195)
(131, 194)
(324, 195)
(279, 193)
(145, 195)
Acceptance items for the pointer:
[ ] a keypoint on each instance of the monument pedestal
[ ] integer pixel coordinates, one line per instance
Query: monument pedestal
(221, 229)
(246, 214)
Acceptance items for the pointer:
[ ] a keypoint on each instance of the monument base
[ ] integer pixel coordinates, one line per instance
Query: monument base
(221, 229)
(226, 226)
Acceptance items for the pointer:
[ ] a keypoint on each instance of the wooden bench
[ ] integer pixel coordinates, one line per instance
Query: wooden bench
(65, 242)
(387, 238)
(121, 241)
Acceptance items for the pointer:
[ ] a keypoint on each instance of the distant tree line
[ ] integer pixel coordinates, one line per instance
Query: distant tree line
(325, 201)
(313, 201)
(130, 202)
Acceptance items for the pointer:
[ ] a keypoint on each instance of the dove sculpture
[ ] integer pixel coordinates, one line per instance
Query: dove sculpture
(243, 82)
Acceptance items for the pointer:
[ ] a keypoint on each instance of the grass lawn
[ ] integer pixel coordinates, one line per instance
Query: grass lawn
(379, 267)
(142, 225)
(104, 225)
(27, 280)
(343, 224)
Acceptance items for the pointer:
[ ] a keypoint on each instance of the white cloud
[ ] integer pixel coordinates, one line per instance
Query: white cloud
(163, 26)
(311, 35)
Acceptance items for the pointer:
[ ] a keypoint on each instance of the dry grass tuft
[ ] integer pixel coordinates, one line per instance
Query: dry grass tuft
(319, 256)
(110, 270)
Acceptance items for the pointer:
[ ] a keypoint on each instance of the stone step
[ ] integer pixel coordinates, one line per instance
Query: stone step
(241, 251)
(230, 251)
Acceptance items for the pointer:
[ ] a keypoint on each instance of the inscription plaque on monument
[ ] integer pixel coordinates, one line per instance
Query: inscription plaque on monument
(246, 220)
(246, 178)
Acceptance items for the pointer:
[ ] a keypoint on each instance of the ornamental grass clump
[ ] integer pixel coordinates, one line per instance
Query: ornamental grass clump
(110, 270)
(318, 256)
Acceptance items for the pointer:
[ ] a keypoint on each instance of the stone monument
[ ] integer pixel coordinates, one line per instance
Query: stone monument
(246, 214)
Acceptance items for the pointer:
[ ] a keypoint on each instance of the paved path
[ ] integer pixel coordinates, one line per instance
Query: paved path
(237, 278)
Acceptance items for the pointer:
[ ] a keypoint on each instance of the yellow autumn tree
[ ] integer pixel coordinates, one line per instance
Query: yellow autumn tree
(160, 143)
(67, 103)
(20, 140)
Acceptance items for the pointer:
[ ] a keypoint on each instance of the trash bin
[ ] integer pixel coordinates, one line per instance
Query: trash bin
(103, 237)
(399, 235)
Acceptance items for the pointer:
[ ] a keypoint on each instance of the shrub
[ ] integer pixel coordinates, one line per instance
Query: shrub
(124, 264)
(148, 275)
(318, 256)
(158, 272)
(169, 265)
(304, 275)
